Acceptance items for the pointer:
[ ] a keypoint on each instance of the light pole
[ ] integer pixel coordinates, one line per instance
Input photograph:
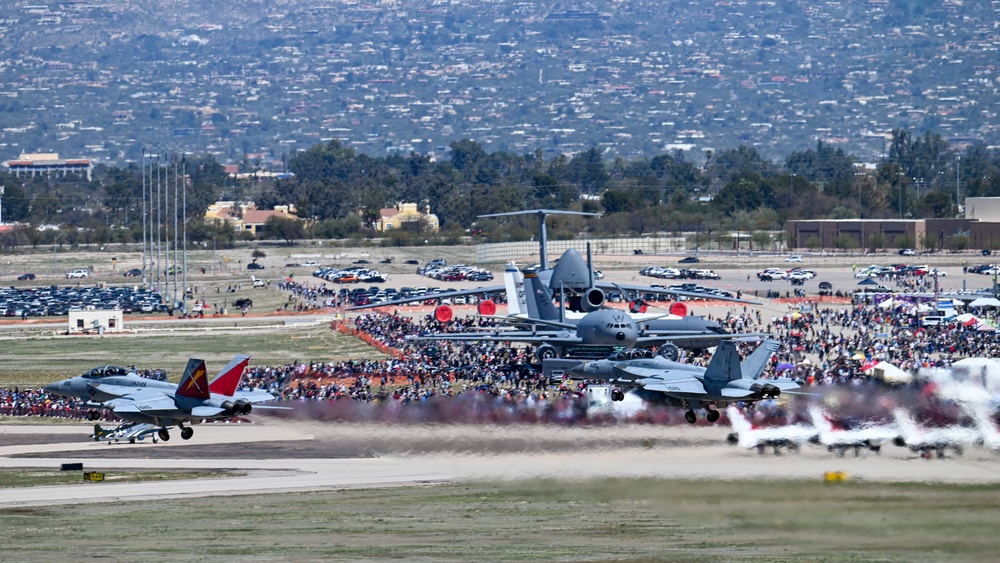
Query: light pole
(145, 271)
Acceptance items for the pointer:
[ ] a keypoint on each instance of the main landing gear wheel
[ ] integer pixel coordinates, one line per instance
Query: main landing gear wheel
(164, 435)
(186, 433)
(93, 415)
(617, 395)
(690, 417)
(712, 416)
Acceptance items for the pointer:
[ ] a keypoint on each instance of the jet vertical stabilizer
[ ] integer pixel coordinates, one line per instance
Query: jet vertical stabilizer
(539, 300)
(229, 379)
(755, 363)
(725, 364)
(513, 281)
(194, 384)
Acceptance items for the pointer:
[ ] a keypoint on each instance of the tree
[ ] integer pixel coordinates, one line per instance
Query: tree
(958, 242)
(876, 241)
(285, 228)
(15, 204)
(845, 241)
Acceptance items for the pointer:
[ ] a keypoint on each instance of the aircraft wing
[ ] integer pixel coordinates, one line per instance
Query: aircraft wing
(669, 386)
(139, 430)
(443, 295)
(640, 289)
(557, 338)
(255, 396)
(651, 338)
(117, 390)
(151, 404)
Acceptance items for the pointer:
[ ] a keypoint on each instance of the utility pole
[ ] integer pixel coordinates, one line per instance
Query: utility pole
(145, 271)
(185, 222)
(174, 302)
(2, 188)
(958, 182)
(159, 222)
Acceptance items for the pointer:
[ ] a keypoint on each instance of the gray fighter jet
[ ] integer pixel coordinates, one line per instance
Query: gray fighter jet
(658, 380)
(191, 401)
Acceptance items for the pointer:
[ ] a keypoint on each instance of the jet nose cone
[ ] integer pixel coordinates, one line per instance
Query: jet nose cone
(579, 369)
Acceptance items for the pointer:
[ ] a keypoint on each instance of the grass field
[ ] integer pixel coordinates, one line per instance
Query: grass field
(41, 360)
(614, 519)
(49, 477)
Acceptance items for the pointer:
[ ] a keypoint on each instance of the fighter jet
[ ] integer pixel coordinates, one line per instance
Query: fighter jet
(225, 383)
(930, 441)
(747, 436)
(659, 380)
(191, 401)
(869, 437)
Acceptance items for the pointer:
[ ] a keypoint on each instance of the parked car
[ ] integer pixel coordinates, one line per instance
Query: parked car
(986, 252)
(794, 258)
(133, 273)
(77, 274)
(26, 277)
(689, 260)
(255, 266)
(907, 252)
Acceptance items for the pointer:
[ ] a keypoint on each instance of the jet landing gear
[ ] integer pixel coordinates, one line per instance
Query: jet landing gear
(164, 435)
(617, 394)
(711, 416)
(93, 415)
(187, 432)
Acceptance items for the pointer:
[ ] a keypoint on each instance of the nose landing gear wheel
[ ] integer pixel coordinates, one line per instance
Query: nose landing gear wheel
(712, 416)
(186, 433)
(690, 417)
(164, 435)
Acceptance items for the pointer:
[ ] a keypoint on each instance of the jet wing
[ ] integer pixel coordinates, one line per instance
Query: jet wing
(116, 390)
(253, 396)
(640, 289)
(669, 386)
(142, 403)
(443, 295)
(650, 337)
(560, 338)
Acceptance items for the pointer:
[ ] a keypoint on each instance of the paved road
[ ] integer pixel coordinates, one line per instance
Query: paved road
(706, 458)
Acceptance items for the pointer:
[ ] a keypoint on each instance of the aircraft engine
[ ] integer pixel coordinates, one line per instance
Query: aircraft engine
(487, 308)
(637, 306)
(679, 309)
(669, 351)
(443, 313)
(546, 352)
(593, 299)
(239, 408)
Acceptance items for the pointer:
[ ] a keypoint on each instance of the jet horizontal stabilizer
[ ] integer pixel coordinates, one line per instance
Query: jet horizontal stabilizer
(206, 411)
(672, 386)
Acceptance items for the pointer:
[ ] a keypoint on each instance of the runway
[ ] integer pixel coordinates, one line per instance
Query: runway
(333, 456)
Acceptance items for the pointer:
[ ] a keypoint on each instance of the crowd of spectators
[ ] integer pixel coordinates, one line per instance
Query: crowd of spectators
(820, 345)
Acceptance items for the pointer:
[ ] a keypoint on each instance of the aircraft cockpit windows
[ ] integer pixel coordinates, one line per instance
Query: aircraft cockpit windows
(641, 354)
(105, 371)
(620, 355)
